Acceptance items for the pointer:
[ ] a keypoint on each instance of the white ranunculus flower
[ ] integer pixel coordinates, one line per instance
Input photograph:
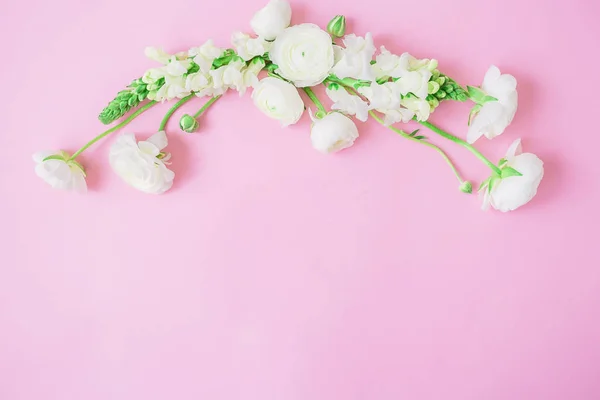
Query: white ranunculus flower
(304, 54)
(511, 193)
(60, 173)
(205, 55)
(348, 103)
(279, 100)
(333, 133)
(385, 98)
(248, 47)
(495, 116)
(141, 164)
(271, 20)
(355, 59)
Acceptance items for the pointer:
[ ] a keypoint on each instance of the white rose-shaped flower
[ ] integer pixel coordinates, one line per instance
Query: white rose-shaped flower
(247, 47)
(348, 103)
(333, 133)
(304, 54)
(271, 20)
(60, 172)
(355, 59)
(141, 164)
(511, 193)
(495, 116)
(279, 100)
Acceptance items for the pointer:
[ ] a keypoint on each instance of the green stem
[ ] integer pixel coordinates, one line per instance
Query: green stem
(114, 128)
(461, 142)
(169, 113)
(313, 97)
(206, 105)
(428, 144)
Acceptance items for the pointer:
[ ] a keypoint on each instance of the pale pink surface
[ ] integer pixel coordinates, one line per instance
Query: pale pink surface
(272, 272)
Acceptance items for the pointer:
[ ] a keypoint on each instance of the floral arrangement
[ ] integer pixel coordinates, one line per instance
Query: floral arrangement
(277, 61)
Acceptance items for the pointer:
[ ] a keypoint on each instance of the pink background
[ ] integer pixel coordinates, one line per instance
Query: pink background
(273, 272)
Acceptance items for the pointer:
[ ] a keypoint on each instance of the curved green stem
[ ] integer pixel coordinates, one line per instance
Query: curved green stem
(206, 105)
(313, 97)
(169, 113)
(428, 144)
(463, 143)
(114, 128)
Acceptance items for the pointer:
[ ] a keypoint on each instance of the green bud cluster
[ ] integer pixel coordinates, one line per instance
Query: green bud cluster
(126, 99)
(441, 87)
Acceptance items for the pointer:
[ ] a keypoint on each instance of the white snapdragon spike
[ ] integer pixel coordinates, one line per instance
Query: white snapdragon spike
(60, 172)
(271, 20)
(174, 87)
(250, 75)
(415, 75)
(141, 164)
(385, 98)
(177, 67)
(197, 82)
(348, 103)
(205, 55)
(279, 100)
(228, 77)
(495, 116)
(419, 107)
(157, 54)
(247, 47)
(354, 60)
(333, 133)
(304, 54)
(387, 65)
(512, 192)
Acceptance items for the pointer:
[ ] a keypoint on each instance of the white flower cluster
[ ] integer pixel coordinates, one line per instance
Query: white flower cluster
(192, 72)
(360, 80)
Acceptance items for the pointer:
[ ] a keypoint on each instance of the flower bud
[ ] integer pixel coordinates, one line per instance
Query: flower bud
(337, 26)
(188, 124)
(466, 187)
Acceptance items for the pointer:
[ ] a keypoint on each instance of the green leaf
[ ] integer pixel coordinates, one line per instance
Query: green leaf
(484, 184)
(510, 171)
(476, 94)
(502, 162)
(54, 157)
(489, 98)
(420, 137)
(413, 133)
(474, 111)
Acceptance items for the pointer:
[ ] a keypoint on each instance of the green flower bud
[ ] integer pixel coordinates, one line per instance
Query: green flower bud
(440, 94)
(466, 187)
(433, 103)
(337, 26)
(441, 80)
(188, 124)
(432, 87)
